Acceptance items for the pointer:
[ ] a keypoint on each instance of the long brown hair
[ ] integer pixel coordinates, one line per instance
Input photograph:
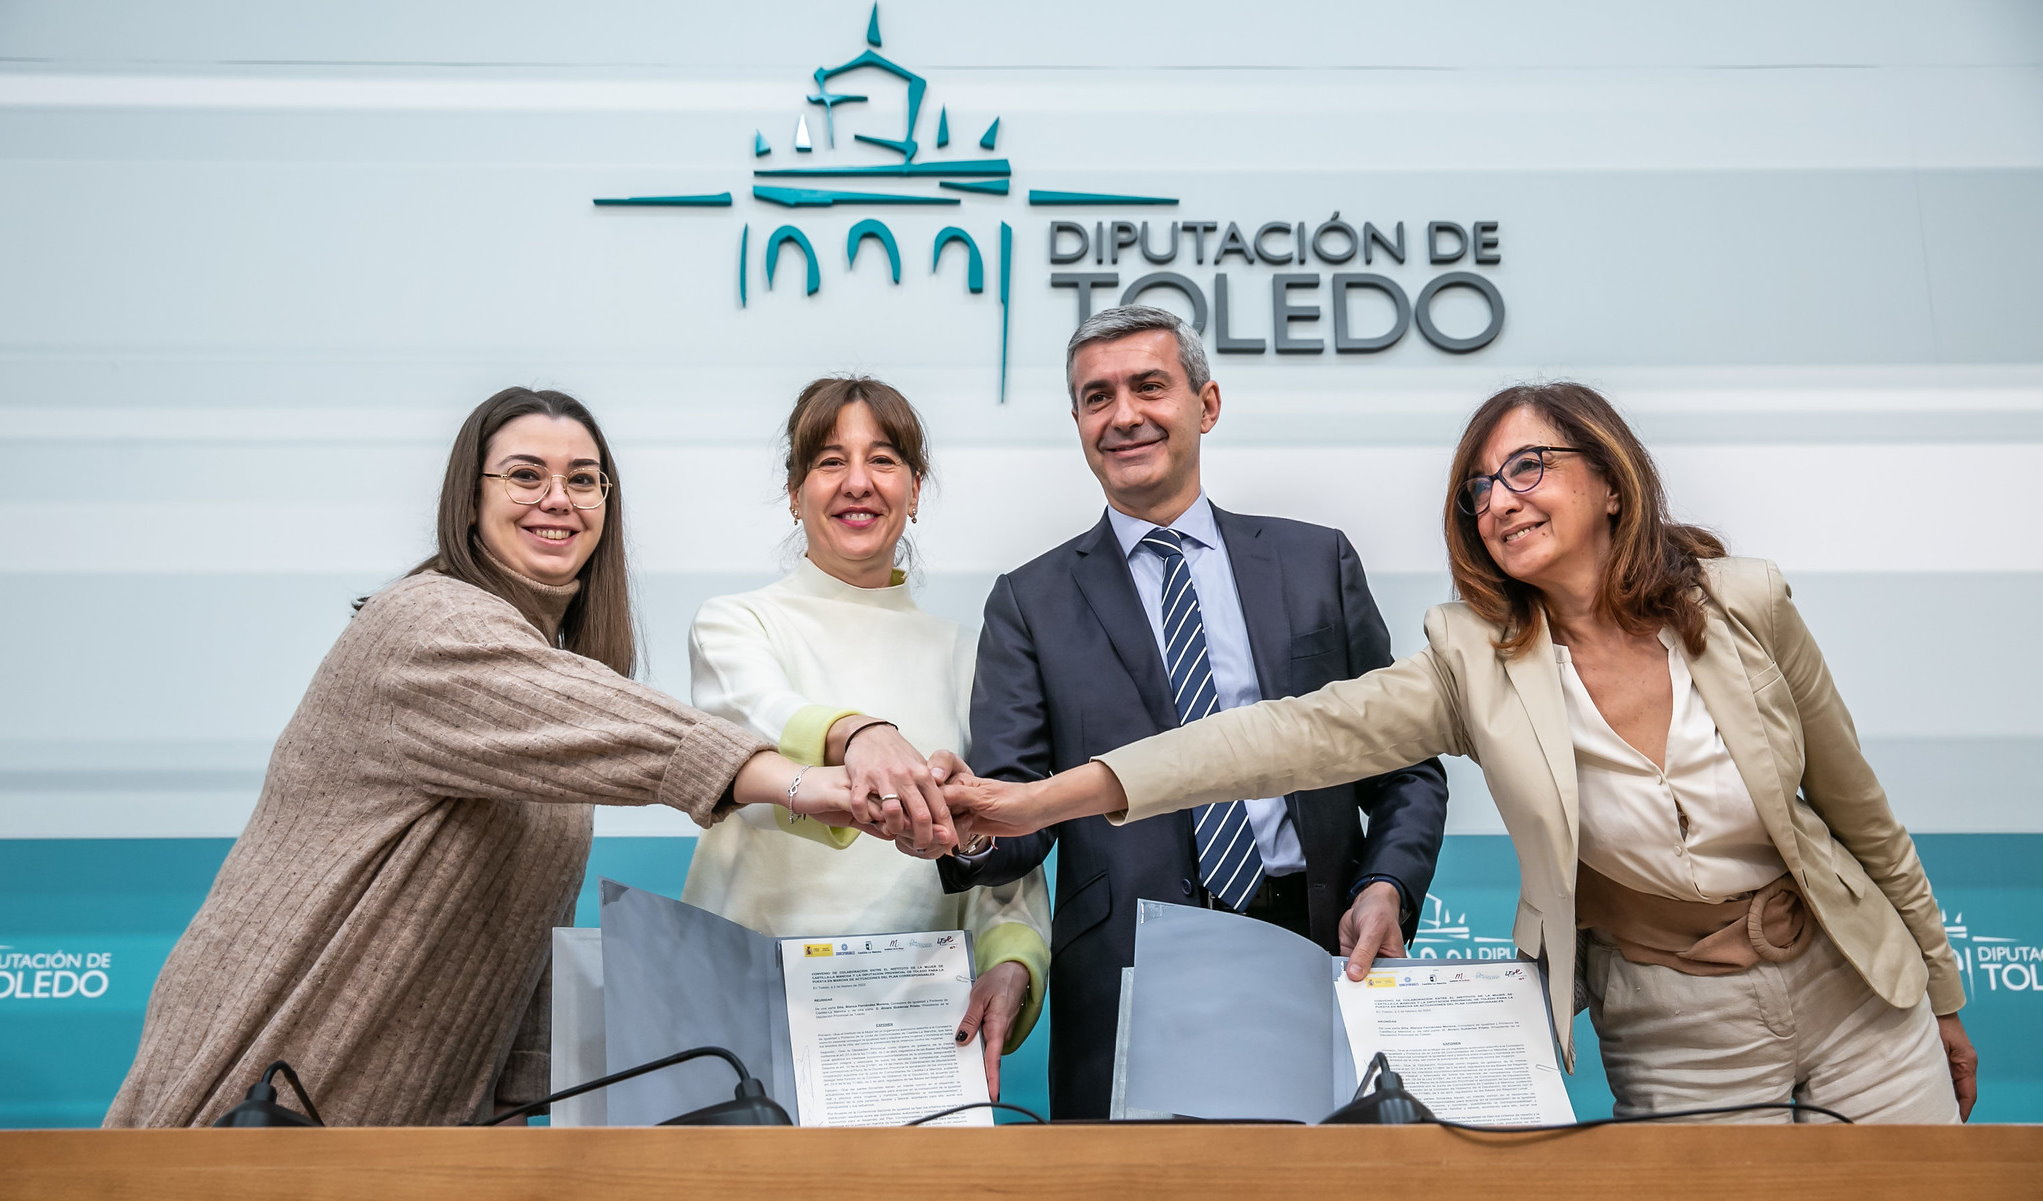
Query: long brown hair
(598, 622)
(1655, 566)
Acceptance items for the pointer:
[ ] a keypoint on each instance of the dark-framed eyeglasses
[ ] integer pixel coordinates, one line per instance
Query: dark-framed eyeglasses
(586, 487)
(1520, 473)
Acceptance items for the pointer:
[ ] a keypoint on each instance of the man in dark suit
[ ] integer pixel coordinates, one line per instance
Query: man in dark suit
(1166, 610)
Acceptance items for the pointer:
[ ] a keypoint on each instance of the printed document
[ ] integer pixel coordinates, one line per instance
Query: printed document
(1228, 1017)
(874, 1021)
(1470, 1037)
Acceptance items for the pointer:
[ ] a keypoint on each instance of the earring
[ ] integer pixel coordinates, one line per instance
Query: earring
(796, 515)
(911, 517)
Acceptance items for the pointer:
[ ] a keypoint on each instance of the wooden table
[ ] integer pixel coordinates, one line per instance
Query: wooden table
(1107, 1163)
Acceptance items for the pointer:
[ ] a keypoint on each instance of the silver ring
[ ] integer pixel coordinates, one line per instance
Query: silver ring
(891, 796)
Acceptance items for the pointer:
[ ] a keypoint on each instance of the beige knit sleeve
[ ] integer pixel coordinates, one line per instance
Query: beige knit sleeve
(480, 706)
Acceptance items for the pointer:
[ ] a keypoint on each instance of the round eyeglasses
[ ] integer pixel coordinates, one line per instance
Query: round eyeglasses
(586, 487)
(1520, 473)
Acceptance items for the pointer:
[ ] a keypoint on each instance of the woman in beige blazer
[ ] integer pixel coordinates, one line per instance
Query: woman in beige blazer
(1680, 778)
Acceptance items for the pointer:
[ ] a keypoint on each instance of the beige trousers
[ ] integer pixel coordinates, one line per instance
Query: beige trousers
(1809, 1028)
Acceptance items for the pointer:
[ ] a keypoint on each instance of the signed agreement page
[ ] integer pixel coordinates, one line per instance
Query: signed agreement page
(1469, 1037)
(874, 1021)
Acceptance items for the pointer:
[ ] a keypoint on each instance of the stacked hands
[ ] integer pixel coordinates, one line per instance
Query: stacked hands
(935, 806)
(928, 807)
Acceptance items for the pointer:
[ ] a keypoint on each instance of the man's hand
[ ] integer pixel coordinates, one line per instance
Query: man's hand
(894, 788)
(1964, 1063)
(944, 766)
(996, 1002)
(1369, 930)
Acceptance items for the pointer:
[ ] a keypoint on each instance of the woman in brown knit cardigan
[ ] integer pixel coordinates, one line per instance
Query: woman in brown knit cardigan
(383, 922)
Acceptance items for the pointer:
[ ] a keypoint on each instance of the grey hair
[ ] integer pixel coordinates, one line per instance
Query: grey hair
(1108, 325)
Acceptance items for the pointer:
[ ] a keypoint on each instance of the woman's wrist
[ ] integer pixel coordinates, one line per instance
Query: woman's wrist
(849, 738)
(764, 779)
(837, 739)
(1088, 790)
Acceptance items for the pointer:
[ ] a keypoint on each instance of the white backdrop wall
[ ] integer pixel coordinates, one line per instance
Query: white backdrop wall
(257, 260)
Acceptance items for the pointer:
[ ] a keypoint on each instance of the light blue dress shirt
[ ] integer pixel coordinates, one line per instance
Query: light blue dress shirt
(1227, 646)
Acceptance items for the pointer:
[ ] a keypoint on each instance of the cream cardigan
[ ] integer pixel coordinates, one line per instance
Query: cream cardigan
(790, 659)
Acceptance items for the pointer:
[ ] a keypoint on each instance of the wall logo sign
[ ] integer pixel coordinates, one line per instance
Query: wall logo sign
(1310, 274)
(1444, 934)
(59, 975)
(1994, 963)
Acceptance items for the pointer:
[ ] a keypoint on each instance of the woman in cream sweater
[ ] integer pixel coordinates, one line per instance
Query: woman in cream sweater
(1680, 778)
(836, 664)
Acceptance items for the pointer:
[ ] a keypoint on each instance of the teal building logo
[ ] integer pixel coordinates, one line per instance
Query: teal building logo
(1997, 962)
(55, 975)
(1444, 933)
(1314, 262)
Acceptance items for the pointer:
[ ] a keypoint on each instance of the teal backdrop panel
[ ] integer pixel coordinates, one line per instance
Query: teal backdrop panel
(85, 925)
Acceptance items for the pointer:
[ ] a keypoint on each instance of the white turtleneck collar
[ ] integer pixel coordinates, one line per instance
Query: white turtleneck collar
(811, 580)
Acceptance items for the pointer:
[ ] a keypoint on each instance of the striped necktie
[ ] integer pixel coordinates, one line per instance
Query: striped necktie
(1229, 864)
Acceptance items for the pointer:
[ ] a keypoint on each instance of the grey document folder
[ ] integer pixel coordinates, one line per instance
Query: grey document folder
(578, 1026)
(676, 977)
(1231, 1017)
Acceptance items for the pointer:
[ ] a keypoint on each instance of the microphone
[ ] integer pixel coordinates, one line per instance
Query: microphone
(261, 1108)
(1388, 1105)
(749, 1106)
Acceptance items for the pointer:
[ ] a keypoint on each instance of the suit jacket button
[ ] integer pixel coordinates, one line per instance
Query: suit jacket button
(1185, 886)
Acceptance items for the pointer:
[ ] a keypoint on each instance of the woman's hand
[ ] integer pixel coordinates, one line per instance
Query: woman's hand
(1964, 1063)
(824, 794)
(981, 806)
(896, 790)
(997, 999)
(944, 766)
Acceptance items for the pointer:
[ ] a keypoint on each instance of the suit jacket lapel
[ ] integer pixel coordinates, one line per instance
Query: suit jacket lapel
(1102, 576)
(1536, 677)
(1726, 690)
(1259, 581)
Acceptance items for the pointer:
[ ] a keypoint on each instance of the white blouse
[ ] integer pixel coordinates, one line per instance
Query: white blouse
(812, 641)
(1690, 832)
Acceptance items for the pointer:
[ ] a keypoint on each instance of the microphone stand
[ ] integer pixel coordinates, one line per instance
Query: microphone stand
(750, 1106)
(261, 1108)
(1389, 1105)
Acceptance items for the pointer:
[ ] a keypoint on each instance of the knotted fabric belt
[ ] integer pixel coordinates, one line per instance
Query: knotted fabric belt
(1770, 925)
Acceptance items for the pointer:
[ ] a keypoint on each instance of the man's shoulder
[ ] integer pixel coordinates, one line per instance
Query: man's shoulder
(1283, 529)
(1053, 564)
